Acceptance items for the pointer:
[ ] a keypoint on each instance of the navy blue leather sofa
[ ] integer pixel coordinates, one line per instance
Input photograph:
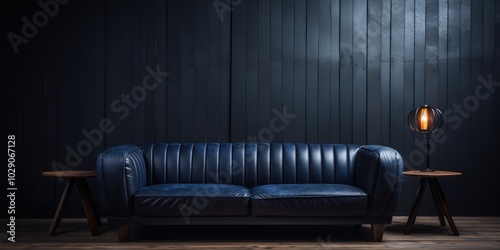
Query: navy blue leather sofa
(249, 184)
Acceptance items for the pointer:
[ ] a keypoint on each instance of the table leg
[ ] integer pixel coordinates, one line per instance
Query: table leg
(88, 207)
(62, 202)
(92, 203)
(438, 207)
(416, 204)
(434, 184)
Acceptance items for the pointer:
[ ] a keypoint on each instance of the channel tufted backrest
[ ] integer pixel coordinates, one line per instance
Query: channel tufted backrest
(249, 164)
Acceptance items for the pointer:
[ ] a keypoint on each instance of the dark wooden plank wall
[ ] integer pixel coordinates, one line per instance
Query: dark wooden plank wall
(348, 71)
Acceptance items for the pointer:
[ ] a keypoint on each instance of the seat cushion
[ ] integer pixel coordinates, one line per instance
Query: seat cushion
(192, 200)
(308, 200)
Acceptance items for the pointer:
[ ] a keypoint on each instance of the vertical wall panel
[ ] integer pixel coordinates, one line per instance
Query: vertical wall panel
(373, 78)
(137, 69)
(150, 60)
(335, 72)
(125, 76)
(385, 73)
(264, 71)
(113, 109)
(238, 73)
(173, 80)
(213, 86)
(324, 69)
(187, 40)
(288, 68)
(252, 71)
(225, 79)
(346, 75)
(431, 52)
(200, 67)
(160, 92)
(312, 72)
(299, 71)
(276, 83)
(359, 94)
(419, 52)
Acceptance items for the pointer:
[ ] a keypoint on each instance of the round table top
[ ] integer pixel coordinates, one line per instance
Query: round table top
(434, 174)
(70, 174)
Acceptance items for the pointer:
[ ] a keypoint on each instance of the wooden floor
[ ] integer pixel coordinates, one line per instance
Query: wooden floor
(475, 233)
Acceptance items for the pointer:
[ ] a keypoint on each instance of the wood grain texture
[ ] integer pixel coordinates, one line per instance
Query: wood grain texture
(475, 233)
(435, 174)
(70, 174)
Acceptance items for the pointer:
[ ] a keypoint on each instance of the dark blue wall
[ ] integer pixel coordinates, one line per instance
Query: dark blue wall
(313, 71)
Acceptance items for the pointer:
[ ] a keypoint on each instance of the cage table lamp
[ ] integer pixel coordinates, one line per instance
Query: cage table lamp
(425, 120)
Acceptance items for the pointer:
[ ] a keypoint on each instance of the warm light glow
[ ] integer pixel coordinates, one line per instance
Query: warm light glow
(424, 120)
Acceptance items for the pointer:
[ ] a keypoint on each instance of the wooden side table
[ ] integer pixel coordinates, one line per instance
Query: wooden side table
(80, 178)
(431, 178)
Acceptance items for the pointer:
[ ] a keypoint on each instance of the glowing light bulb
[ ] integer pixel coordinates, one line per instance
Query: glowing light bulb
(424, 120)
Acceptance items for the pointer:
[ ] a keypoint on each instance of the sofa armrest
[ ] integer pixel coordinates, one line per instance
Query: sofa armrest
(121, 171)
(379, 171)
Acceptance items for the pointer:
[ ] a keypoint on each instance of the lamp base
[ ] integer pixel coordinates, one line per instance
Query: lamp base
(427, 170)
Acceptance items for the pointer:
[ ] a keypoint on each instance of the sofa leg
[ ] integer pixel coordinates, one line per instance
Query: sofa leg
(378, 232)
(123, 232)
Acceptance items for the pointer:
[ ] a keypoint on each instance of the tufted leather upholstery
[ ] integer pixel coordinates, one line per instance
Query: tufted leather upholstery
(127, 173)
(249, 184)
(249, 165)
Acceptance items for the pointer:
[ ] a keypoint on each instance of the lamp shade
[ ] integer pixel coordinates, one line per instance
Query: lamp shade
(425, 119)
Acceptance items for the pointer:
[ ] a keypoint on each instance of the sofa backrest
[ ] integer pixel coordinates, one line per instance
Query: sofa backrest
(249, 164)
